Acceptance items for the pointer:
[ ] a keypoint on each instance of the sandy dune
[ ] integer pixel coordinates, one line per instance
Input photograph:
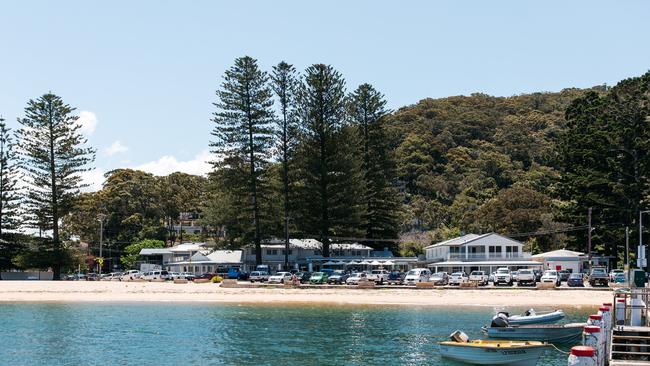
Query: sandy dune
(45, 291)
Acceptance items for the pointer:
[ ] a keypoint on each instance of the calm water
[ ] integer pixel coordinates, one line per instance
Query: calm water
(185, 334)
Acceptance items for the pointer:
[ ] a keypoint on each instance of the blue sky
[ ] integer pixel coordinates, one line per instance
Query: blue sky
(144, 72)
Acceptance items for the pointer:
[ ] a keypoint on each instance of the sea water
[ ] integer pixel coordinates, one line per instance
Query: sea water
(217, 334)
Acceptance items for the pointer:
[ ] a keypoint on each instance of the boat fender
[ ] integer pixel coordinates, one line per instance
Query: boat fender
(582, 356)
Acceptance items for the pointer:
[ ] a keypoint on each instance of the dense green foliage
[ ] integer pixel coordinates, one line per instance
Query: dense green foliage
(132, 252)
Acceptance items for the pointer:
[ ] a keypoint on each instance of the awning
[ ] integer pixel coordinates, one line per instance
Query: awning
(487, 264)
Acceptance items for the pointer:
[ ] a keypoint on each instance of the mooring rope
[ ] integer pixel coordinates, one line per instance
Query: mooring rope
(559, 350)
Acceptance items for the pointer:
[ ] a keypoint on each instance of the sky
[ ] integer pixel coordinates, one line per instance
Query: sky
(142, 74)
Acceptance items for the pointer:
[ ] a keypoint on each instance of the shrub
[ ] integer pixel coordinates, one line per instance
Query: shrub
(216, 279)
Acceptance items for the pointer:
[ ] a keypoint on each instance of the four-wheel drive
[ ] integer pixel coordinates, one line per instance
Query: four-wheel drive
(480, 277)
(525, 277)
(598, 276)
(503, 276)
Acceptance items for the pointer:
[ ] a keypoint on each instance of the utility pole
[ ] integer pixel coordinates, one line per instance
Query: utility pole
(627, 253)
(589, 236)
(101, 218)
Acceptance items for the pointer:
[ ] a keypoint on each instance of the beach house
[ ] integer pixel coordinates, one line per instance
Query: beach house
(485, 252)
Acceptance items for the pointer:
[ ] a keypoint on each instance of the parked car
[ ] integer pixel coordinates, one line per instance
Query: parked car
(613, 273)
(492, 276)
(551, 276)
(417, 275)
(259, 276)
(92, 276)
(396, 278)
(378, 276)
(514, 275)
(243, 276)
(538, 274)
(525, 277)
(131, 275)
(479, 277)
(598, 276)
(457, 278)
(113, 276)
(503, 276)
(576, 280)
(620, 278)
(355, 278)
(439, 279)
(158, 275)
(188, 276)
(206, 276)
(233, 273)
(303, 277)
(280, 277)
(318, 278)
(338, 277)
(564, 275)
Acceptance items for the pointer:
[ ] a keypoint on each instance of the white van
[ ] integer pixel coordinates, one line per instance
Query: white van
(156, 276)
(417, 275)
(130, 275)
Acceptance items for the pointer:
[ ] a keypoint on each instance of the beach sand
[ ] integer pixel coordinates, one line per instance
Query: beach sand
(82, 291)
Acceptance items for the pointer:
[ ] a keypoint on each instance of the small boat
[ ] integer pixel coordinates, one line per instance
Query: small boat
(531, 317)
(552, 333)
(484, 352)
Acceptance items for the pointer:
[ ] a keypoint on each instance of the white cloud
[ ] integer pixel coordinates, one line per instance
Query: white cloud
(169, 164)
(116, 148)
(94, 179)
(88, 122)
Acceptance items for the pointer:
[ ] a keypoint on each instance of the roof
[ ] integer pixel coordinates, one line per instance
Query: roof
(492, 238)
(561, 253)
(312, 244)
(155, 251)
(485, 263)
(187, 247)
(216, 257)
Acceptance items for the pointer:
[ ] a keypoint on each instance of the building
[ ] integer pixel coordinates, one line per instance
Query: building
(562, 259)
(307, 254)
(162, 256)
(485, 252)
(218, 261)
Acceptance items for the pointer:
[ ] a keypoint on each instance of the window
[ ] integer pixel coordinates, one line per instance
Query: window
(284, 251)
(271, 252)
(317, 252)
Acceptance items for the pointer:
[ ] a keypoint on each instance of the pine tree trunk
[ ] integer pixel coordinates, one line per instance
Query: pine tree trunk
(55, 213)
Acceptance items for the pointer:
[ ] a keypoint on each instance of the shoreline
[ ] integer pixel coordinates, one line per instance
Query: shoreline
(150, 292)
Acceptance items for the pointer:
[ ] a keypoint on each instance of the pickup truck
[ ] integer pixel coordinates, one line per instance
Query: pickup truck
(598, 276)
(480, 277)
(378, 276)
(503, 276)
(525, 277)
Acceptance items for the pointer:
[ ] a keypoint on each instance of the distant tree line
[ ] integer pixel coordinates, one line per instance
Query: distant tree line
(296, 154)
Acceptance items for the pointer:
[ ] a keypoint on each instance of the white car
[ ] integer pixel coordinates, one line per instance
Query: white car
(551, 276)
(480, 277)
(525, 277)
(280, 277)
(417, 275)
(503, 275)
(131, 275)
(158, 275)
(355, 278)
(457, 278)
(378, 275)
(113, 276)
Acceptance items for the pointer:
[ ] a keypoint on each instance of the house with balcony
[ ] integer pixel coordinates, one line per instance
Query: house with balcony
(485, 252)
(158, 257)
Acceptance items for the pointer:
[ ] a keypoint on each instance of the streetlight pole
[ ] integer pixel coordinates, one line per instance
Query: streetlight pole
(101, 218)
(641, 258)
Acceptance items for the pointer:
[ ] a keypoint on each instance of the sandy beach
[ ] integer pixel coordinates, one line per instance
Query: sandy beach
(81, 291)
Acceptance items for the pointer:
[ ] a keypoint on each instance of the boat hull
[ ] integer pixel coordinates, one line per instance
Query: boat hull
(527, 356)
(536, 319)
(545, 333)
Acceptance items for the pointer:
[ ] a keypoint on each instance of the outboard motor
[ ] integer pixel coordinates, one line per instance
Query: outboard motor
(499, 321)
(459, 337)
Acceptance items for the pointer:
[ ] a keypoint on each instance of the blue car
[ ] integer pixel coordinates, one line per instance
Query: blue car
(576, 280)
